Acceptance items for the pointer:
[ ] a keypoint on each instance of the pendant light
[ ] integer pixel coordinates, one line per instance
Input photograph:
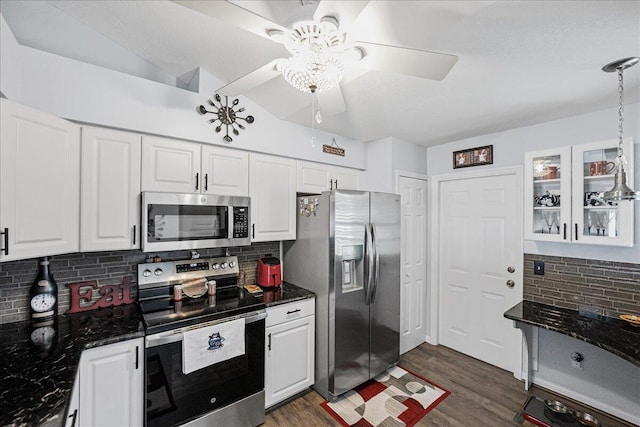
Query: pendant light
(620, 191)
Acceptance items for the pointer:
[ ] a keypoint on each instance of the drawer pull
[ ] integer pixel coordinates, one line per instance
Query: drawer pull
(293, 311)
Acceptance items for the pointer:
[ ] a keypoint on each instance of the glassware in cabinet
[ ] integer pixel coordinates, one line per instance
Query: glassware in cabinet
(547, 194)
(595, 221)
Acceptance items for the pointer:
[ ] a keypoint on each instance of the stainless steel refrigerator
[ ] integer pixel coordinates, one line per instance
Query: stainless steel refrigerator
(347, 251)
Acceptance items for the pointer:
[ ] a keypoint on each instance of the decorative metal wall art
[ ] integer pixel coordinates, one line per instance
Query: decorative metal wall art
(226, 115)
(473, 157)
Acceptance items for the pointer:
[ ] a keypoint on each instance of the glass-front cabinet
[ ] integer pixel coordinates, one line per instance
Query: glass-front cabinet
(548, 195)
(563, 195)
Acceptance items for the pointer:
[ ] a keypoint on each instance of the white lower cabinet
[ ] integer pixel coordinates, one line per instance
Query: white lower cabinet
(289, 350)
(111, 385)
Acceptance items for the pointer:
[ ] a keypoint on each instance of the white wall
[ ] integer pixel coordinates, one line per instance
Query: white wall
(388, 155)
(9, 62)
(91, 94)
(509, 148)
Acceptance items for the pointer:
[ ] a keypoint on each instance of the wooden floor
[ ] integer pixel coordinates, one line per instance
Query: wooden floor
(481, 394)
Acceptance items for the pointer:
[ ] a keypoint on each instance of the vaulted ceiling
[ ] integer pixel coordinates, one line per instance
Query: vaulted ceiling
(519, 62)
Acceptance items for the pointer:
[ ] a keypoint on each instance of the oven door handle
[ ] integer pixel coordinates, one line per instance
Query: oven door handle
(169, 337)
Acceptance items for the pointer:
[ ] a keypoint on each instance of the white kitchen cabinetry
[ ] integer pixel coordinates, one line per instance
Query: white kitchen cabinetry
(175, 166)
(225, 171)
(39, 183)
(272, 188)
(111, 380)
(314, 178)
(74, 406)
(110, 190)
(290, 350)
(561, 195)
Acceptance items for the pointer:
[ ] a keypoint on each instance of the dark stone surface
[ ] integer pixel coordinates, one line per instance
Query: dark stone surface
(285, 293)
(35, 383)
(610, 334)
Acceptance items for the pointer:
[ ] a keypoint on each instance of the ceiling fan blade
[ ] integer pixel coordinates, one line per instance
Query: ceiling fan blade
(331, 102)
(402, 60)
(251, 80)
(344, 11)
(234, 14)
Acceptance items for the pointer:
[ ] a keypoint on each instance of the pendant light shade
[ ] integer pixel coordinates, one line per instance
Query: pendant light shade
(620, 191)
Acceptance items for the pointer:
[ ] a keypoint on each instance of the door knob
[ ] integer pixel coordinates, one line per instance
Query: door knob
(511, 269)
(511, 283)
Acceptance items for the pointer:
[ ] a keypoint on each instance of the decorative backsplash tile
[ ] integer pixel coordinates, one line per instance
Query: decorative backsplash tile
(608, 287)
(107, 268)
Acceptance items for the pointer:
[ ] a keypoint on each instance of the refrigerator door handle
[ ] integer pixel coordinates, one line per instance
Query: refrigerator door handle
(376, 268)
(369, 265)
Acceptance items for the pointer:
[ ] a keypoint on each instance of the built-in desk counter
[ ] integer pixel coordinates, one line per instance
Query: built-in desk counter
(613, 335)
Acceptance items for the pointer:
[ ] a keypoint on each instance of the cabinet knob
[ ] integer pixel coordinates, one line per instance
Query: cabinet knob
(511, 269)
(511, 283)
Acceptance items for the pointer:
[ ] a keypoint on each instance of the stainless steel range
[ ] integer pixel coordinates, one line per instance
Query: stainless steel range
(180, 299)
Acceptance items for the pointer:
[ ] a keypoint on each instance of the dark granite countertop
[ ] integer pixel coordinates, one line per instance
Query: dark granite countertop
(610, 334)
(285, 293)
(36, 382)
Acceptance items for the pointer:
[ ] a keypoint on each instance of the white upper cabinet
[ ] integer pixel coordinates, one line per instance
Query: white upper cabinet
(225, 171)
(110, 190)
(547, 195)
(596, 222)
(175, 166)
(39, 183)
(170, 165)
(562, 188)
(272, 188)
(315, 178)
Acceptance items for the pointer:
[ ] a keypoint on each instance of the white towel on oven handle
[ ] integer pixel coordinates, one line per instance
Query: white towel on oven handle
(212, 344)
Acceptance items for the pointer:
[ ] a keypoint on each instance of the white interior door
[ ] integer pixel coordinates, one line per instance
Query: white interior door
(480, 251)
(413, 271)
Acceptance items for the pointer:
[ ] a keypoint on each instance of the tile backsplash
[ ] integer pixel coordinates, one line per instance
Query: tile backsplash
(106, 268)
(612, 288)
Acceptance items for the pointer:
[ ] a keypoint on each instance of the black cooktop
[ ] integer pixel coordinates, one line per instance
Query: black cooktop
(163, 314)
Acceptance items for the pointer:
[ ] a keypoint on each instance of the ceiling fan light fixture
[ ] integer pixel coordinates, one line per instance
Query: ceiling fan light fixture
(312, 73)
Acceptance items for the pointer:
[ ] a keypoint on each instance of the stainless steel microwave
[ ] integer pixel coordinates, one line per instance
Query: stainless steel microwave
(172, 221)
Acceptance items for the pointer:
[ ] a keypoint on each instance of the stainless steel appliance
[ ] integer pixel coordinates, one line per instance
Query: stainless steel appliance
(347, 251)
(176, 221)
(230, 392)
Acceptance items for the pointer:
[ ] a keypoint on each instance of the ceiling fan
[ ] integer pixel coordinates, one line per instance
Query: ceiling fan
(317, 37)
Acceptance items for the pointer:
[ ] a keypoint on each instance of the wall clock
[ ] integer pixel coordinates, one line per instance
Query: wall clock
(227, 115)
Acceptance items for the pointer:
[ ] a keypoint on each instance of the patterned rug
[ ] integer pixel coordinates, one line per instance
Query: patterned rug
(395, 398)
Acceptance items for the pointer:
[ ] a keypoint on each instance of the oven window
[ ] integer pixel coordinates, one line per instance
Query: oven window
(173, 398)
(171, 223)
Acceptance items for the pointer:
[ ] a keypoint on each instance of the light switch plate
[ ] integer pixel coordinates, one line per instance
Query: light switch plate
(538, 268)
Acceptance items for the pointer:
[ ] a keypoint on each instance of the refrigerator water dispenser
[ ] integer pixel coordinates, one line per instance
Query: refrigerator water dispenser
(351, 257)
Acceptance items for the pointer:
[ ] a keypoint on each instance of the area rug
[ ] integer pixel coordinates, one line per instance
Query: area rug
(395, 398)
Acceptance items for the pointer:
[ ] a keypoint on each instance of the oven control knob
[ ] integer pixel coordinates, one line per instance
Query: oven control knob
(231, 264)
(214, 266)
(223, 265)
(146, 273)
(158, 272)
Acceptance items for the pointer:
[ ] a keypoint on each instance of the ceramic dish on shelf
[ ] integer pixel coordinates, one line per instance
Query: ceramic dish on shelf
(632, 319)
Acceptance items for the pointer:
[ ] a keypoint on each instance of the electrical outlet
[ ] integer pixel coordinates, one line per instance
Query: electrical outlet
(538, 268)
